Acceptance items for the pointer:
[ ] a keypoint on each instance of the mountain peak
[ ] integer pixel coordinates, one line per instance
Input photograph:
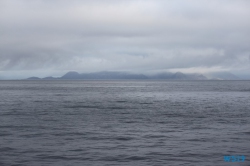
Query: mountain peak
(70, 75)
(179, 75)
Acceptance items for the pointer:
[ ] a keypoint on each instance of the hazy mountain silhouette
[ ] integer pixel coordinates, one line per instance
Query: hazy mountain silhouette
(177, 76)
(33, 78)
(72, 75)
(103, 75)
(221, 76)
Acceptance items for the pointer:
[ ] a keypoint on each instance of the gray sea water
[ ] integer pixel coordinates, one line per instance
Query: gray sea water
(127, 123)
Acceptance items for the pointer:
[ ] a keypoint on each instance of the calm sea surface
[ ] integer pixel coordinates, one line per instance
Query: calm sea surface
(127, 123)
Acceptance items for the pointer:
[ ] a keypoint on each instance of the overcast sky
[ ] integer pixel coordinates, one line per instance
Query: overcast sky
(51, 37)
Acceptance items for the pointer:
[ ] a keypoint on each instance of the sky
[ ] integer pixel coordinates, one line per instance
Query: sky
(51, 37)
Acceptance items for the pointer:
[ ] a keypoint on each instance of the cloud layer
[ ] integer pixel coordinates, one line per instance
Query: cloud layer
(51, 37)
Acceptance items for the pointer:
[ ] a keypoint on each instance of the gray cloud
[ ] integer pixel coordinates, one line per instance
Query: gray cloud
(57, 36)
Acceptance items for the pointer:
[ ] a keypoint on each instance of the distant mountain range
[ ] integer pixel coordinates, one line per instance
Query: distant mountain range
(72, 75)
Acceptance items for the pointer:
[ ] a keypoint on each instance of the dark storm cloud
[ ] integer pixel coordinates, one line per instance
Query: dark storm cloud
(130, 35)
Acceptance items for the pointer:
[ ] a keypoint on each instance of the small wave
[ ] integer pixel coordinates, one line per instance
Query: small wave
(154, 136)
(124, 138)
(200, 140)
(47, 157)
(5, 149)
(81, 106)
(247, 132)
(121, 101)
(130, 121)
(117, 108)
(4, 134)
(131, 158)
(146, 103)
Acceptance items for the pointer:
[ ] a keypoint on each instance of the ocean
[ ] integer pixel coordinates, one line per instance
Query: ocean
(124, 122)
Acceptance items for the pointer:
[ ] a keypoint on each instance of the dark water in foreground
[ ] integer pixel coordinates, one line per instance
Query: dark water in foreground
(132, 123)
